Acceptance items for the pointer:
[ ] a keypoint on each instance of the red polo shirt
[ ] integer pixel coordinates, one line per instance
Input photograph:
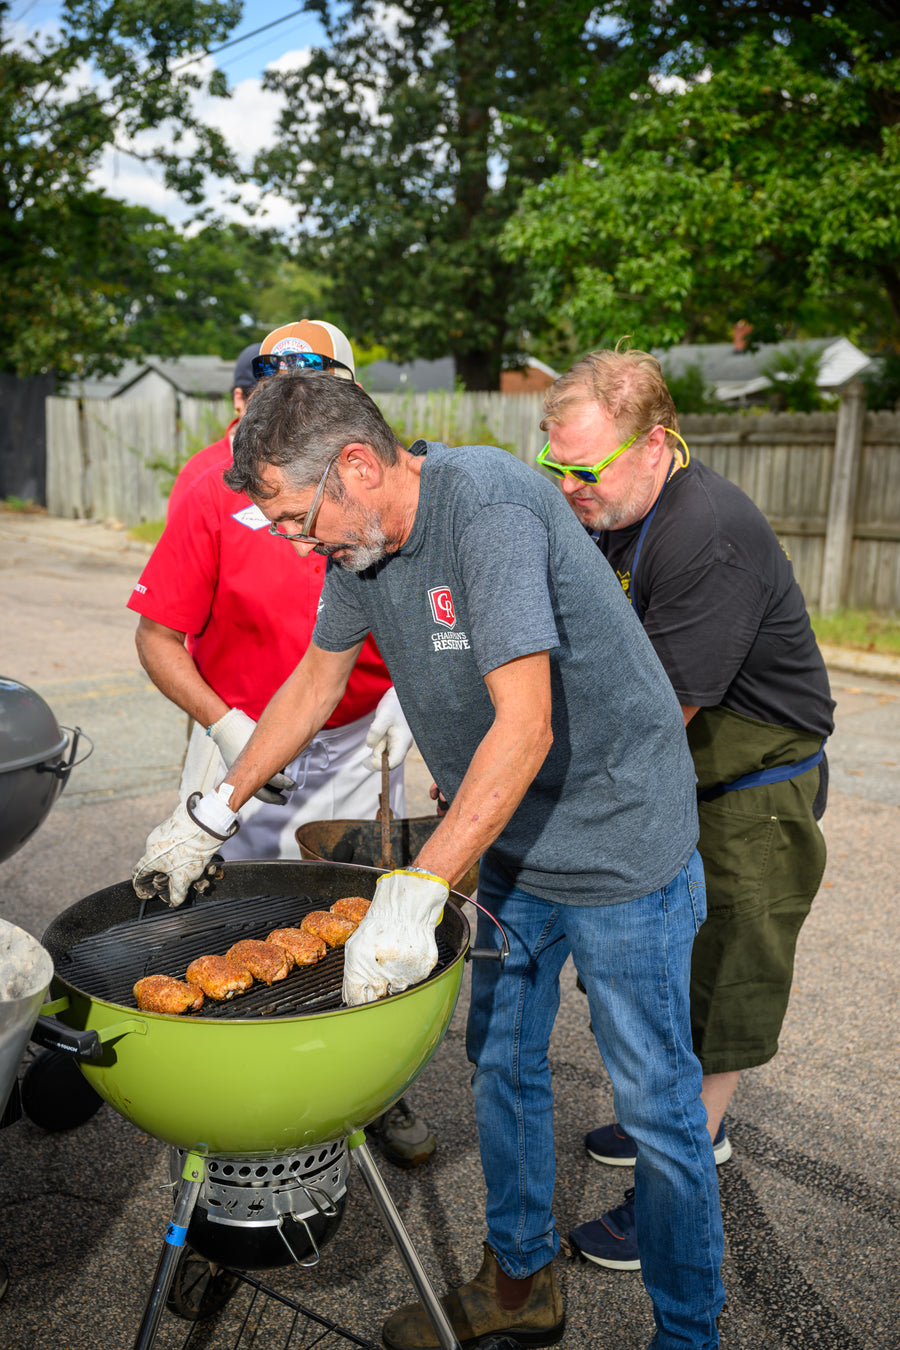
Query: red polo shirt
(246, 600)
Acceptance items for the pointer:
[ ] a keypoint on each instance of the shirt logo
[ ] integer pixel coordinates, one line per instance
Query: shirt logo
(141, 590)
(442, 606)
(625, 579)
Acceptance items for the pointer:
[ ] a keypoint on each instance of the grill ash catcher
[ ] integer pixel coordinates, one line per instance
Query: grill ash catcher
(263, 1099)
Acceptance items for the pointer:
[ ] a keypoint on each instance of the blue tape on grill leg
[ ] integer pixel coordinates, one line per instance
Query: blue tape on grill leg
(176, 1236)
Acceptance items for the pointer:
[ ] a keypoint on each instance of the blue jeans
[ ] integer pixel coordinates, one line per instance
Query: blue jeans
(634, 961)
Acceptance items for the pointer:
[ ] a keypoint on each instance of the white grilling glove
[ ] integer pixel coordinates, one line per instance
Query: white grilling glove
(231, 733)
(179, 851)
(394, 946)
(389, 731)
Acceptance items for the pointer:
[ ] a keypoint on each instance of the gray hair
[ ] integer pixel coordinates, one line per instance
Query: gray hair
(298, 421)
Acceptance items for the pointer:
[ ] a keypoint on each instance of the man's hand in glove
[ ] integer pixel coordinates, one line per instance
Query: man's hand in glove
(231, 733)
(389, 731)
(394, 946)
(179, 850)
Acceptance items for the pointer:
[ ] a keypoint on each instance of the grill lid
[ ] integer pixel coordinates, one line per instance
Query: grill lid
(29, 733)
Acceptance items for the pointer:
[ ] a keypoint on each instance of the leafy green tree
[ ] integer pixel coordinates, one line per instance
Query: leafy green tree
(206, 291)
(691, 391)
(405, 144)
(290, 291)
(114, 70)
(763, 185)
(794, 375)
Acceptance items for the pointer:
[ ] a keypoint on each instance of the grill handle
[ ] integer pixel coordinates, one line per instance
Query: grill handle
(84, 1045)
(62, 769)
(489, 953)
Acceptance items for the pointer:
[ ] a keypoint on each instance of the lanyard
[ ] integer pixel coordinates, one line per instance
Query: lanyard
(637, 552)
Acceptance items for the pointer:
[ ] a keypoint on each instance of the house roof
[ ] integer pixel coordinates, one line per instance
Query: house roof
(532, 363)
(735, 374)
(197, 376)
(388, 377)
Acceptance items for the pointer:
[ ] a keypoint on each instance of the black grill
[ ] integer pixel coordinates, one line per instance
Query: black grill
(107, 965)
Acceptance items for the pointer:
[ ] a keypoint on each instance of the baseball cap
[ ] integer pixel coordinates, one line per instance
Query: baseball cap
(243, 368)
(311, 335)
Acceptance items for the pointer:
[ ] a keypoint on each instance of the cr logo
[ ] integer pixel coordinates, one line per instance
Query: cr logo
(442, 606)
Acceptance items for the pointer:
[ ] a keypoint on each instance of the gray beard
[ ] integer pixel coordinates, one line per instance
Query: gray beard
(363, 548)
(362, 556)
(609, 519)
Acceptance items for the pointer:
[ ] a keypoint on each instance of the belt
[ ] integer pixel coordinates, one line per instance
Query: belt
(778, 774)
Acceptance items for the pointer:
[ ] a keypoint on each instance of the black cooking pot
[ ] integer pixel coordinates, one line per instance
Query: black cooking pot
(33, 769)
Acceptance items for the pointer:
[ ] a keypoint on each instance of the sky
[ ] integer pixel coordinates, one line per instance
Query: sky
(239, 118)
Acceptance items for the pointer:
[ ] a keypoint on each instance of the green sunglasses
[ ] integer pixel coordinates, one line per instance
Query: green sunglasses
(591, 473)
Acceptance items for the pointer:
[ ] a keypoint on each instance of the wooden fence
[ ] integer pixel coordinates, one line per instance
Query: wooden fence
(116, 458)
(828, 482)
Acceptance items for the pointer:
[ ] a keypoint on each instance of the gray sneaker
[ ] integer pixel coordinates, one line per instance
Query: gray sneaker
(403, 1137)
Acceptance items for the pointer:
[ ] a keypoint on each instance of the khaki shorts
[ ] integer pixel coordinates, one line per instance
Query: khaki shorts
(763, 855)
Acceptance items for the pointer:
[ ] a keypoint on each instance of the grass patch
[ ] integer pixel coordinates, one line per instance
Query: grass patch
(22, 506)
(147, 532)
(861, 629)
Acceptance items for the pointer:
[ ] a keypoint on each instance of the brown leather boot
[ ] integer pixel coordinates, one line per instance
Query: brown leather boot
(530, 1311)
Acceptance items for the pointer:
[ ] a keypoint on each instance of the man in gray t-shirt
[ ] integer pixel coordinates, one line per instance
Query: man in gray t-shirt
(494, 569)
(549, 726)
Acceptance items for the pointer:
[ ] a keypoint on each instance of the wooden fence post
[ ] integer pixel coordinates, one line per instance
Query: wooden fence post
(842, 499)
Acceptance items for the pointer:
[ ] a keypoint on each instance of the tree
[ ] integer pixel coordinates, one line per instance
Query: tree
(762, 186)
(207, 291)
(406, 147)
(116, 69)
(794, 381)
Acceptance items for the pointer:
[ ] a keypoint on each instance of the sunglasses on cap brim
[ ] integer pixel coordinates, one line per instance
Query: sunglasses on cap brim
(273, 362)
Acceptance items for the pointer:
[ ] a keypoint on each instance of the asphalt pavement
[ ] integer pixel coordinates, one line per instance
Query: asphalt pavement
(810, 1197)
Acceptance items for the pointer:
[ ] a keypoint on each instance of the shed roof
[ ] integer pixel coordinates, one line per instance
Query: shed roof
(736, 374)
(197, 376)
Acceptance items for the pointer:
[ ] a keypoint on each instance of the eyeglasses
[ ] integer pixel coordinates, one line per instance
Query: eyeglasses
(309, 520)
(586, 473)
(272, 362)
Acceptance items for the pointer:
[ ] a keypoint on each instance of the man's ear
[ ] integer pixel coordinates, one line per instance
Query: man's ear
(237, 398)
(656, 443)
(361, 460)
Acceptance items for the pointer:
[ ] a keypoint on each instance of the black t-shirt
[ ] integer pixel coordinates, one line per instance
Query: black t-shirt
(721, 605)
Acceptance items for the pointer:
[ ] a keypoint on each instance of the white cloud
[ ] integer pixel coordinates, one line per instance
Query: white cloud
(248, 120)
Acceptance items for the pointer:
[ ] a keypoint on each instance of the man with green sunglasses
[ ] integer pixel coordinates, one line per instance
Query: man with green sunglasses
(716, 594)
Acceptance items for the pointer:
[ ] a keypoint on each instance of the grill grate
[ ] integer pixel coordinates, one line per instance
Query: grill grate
(108, 964)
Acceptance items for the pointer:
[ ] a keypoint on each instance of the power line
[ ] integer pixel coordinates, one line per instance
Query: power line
(213, 51)
(66, 113)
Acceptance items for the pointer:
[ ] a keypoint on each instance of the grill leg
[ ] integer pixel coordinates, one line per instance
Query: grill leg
(185, 1200)
(390, 1217)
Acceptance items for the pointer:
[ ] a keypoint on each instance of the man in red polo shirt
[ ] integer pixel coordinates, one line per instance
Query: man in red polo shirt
(226, 613)
(244, 382)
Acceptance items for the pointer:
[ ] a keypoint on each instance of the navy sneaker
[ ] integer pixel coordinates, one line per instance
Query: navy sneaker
(611, 1145)
(610, 1241)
